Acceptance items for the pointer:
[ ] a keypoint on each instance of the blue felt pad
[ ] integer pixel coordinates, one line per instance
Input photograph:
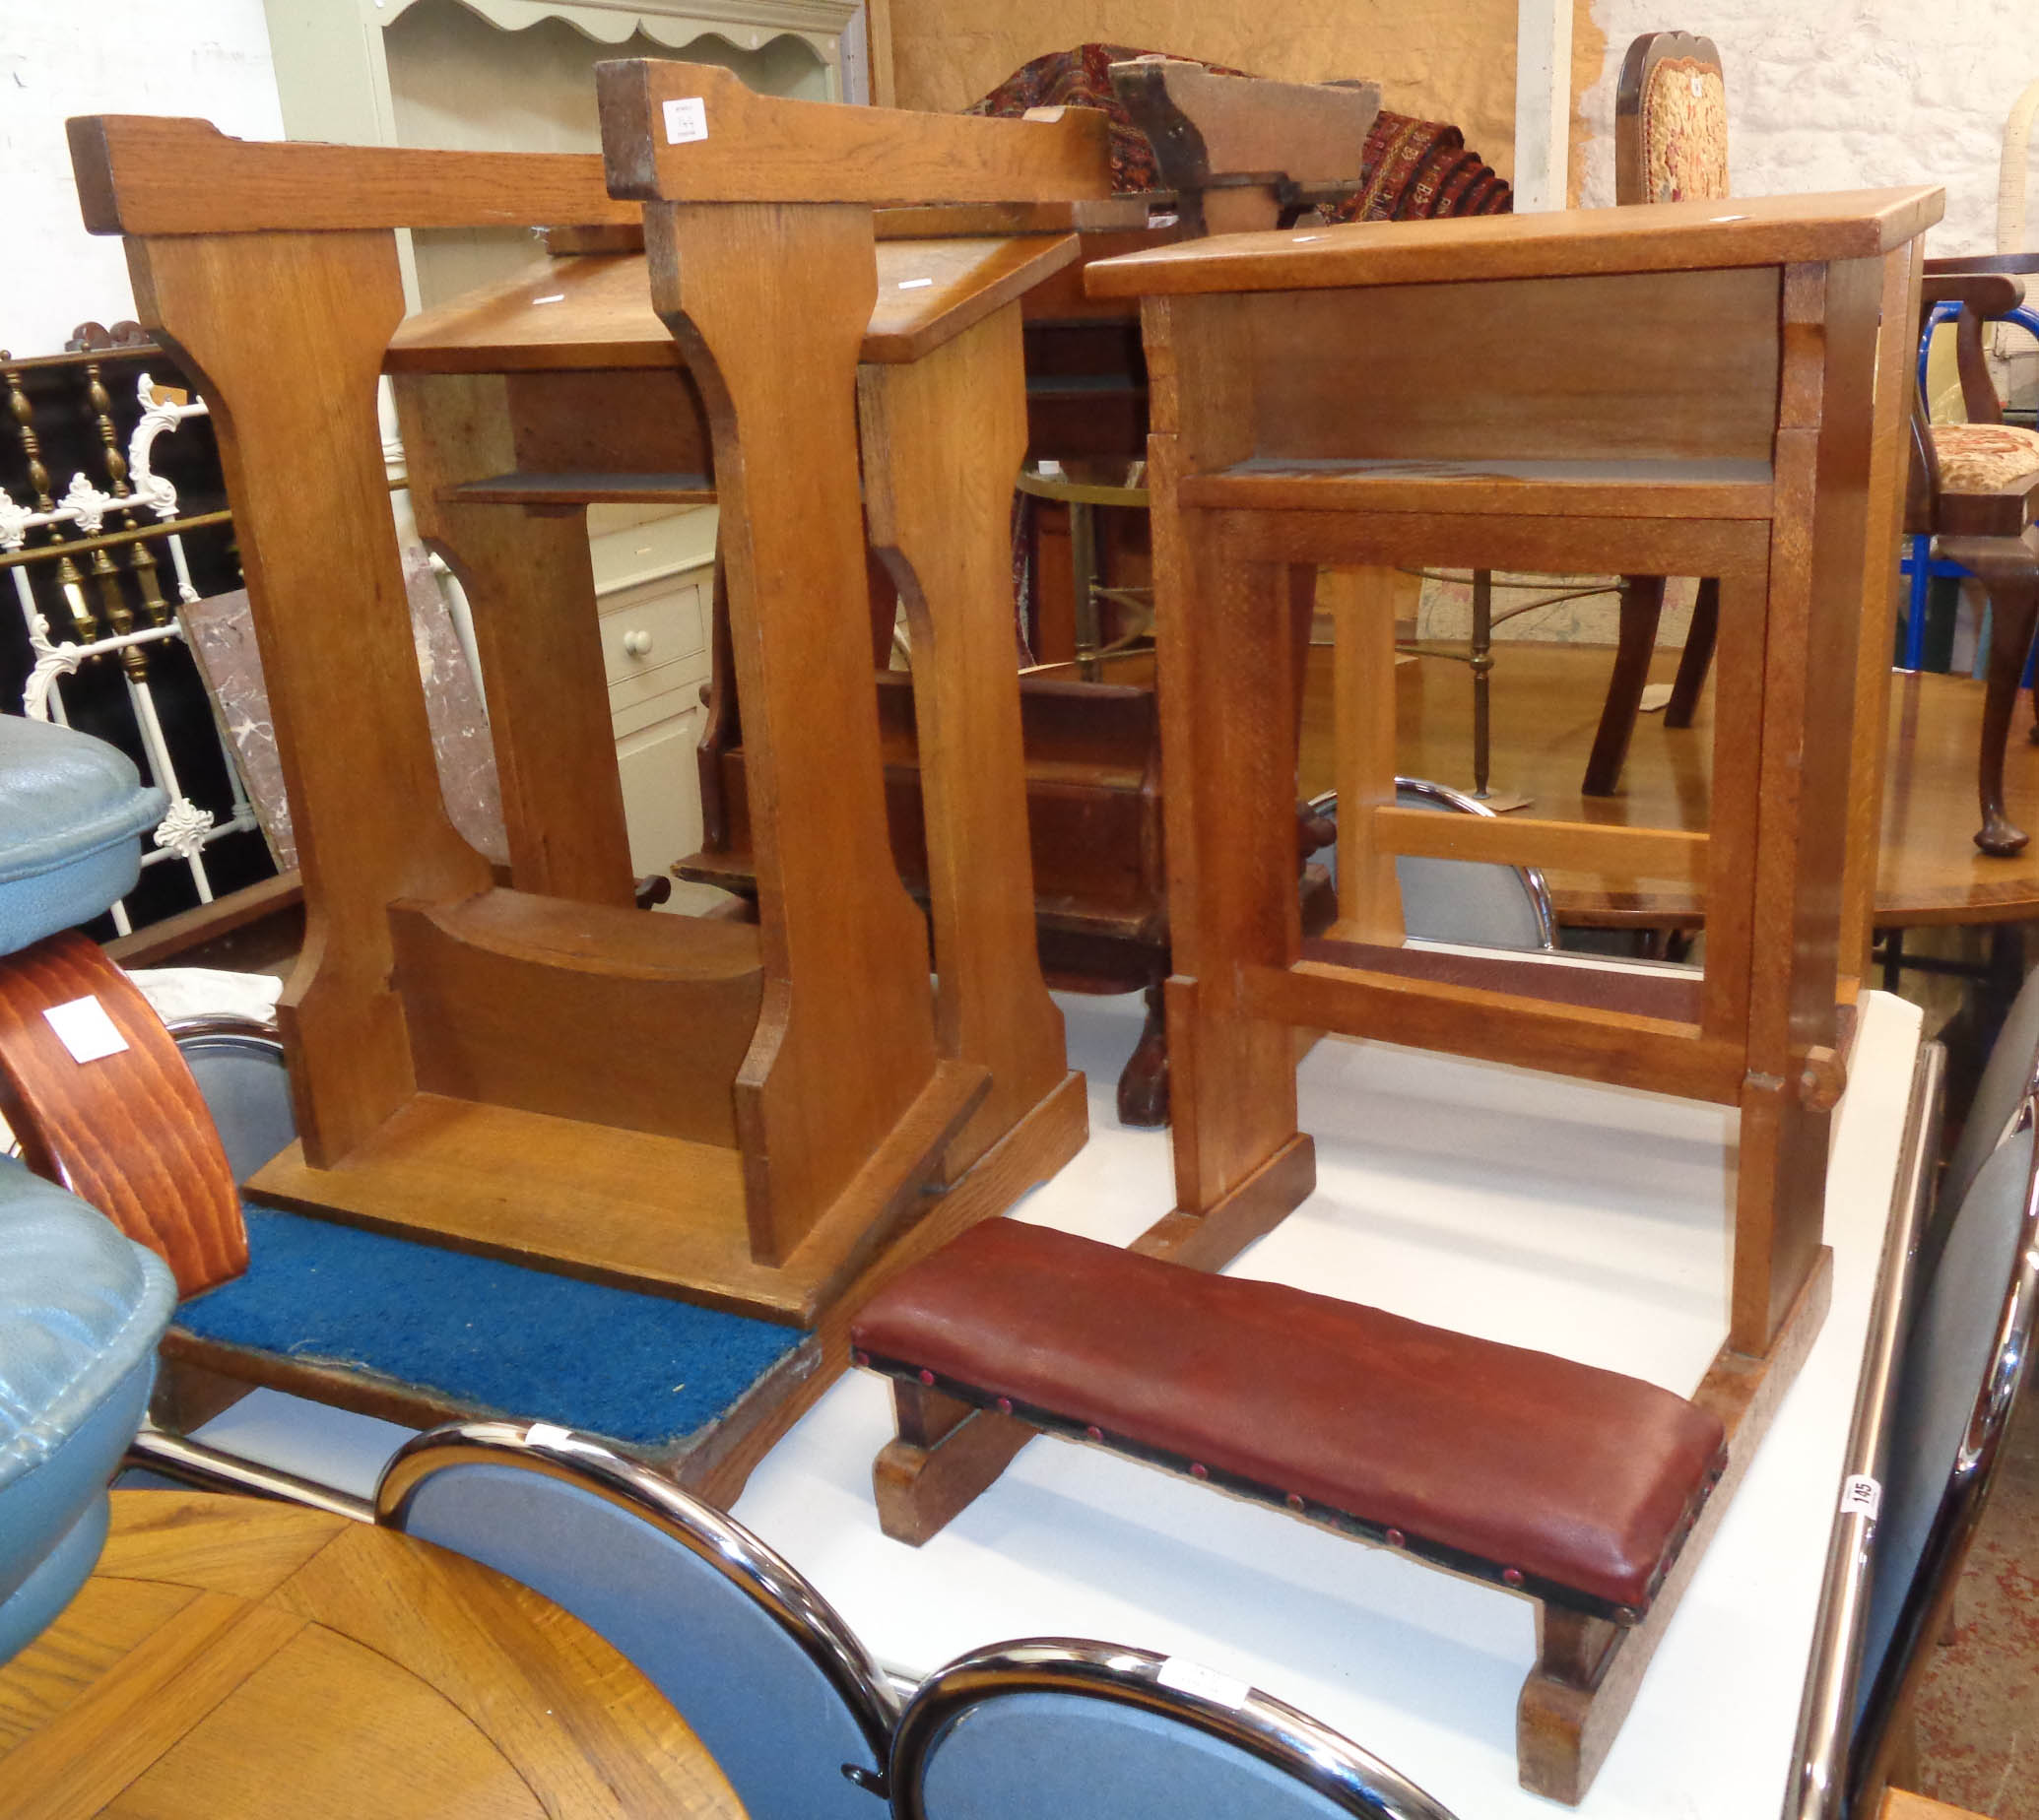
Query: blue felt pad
(641, 1369)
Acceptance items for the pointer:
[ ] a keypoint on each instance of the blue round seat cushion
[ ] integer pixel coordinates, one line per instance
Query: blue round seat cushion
(82, 1308)
(72, 813)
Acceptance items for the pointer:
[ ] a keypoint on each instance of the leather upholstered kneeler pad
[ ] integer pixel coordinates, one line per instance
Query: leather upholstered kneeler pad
(1547, 1468)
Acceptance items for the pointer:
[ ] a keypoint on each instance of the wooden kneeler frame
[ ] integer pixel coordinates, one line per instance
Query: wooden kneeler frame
(1573, 426)
(745, 1117)
(1564, 422)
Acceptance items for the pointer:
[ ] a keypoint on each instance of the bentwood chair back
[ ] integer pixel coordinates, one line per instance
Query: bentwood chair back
(785, 1699)
(1052, 1726)
(1471, 902)
(1961, 1368)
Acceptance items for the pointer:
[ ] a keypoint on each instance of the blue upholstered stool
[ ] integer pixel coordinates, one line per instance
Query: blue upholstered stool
(80, 1310)
(80, 1306)
(72, 814)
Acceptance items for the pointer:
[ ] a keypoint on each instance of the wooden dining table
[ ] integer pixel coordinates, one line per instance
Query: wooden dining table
(1547, 703)
(233, 1660)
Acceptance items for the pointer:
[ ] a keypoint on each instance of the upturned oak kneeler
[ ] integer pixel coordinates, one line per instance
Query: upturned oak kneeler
(1673, 390)
(749, 1117)
(1574, 1485)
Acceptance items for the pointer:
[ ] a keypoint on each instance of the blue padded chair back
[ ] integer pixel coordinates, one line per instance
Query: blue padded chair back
(239, 1069)
(1465, 901)
(1962, 1364)
(1052, 1727)
(771, 1681)
(2007, 1079)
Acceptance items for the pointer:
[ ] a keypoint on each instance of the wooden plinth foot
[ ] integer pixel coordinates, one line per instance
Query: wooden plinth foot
(1587, 1671)
(947, 1452)
(1212, 1239)
(1036, 1148)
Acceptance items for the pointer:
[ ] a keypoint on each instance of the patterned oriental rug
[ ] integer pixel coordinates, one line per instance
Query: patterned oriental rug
(1412, 169)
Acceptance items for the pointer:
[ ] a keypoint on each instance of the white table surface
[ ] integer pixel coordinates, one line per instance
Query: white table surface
(1584, 1221)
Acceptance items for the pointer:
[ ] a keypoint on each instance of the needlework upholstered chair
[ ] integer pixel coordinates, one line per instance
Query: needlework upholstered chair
(1975, 490)
(1671, 145)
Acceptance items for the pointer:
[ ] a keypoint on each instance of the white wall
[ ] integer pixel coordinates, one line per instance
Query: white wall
(1846, 94)
(204, 58)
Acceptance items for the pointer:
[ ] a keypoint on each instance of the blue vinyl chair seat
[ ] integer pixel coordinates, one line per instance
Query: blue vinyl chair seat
(69, 839)
(80, 1310)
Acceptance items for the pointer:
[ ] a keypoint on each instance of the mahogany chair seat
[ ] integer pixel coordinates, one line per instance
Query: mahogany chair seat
(1572, 1484)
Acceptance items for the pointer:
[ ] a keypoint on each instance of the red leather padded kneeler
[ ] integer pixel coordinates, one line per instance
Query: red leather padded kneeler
(1562, 1479)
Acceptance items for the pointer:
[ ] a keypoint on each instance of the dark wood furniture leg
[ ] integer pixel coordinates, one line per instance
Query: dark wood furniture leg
(1642, 605)
(2013, 610)
(1697, 656)
(1143, 1081)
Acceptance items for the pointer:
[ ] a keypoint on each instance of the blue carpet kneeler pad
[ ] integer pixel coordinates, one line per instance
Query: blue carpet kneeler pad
(475, 1336)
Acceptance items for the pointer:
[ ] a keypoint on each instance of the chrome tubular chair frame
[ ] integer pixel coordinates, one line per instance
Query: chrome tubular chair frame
(559, 1453)
(1819, 1788)
(1932, 1583)
(1260, 1724)
(210, 1468)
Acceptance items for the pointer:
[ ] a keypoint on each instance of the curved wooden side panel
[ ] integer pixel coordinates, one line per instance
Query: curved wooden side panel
(130, 1131)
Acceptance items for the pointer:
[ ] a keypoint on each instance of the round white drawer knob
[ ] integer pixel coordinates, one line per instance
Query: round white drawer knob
(638, 644)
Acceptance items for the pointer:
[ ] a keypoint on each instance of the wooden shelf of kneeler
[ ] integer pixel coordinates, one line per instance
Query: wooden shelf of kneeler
(1641, 489)
(592, 313)
(582, 489)
(567, 1057)
(590, 1200)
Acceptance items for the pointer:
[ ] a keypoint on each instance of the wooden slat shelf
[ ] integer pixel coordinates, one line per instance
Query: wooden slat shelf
(593, 311)
(1667, 1055)
(1521, 840)
(584, 488)
(644, 1211)
(1671, 997)
(1697, 489)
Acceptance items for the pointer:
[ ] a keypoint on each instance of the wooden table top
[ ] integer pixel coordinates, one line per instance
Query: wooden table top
(1546, 700)
(237, 1657)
